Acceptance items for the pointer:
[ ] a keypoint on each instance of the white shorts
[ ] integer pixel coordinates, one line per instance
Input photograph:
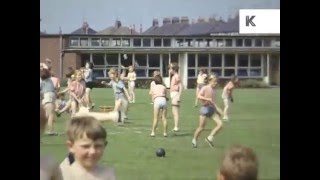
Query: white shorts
(175, 99)
(160, 103)
(48, 97)
(131, 84)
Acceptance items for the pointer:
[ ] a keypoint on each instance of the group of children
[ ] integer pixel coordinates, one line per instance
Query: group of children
(87, 140)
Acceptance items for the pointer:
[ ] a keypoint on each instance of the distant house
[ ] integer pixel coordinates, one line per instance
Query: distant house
(212, 44)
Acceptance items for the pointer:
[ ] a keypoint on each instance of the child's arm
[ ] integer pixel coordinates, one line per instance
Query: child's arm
(64, 91)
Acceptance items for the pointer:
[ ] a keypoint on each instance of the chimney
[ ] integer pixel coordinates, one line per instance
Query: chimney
(201, 20)
(140, 28)
(134, 27)
(60, 31)
(212, 20)
(85, 27)
(185, 20)
(166, 21)
(175, 20)
(117, 24)
(155, 22)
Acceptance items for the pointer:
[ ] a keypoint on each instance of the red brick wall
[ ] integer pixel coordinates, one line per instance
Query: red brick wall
(50, 48)
(71, 60)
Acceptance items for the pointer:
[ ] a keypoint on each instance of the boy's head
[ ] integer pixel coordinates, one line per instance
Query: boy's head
(86, 140)
(131, 69)
(155, 73)
(61, 96)
(239, 163)
(212, 79)
(113, 74)
(157, 79)
(43, 119)
(174, 67)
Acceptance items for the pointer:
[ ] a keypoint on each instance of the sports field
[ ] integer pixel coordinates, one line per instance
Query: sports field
(254, 121)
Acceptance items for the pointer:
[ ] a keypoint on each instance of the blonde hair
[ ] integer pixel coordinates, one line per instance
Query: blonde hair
(114, 72)
(85, 126)
(239, 163)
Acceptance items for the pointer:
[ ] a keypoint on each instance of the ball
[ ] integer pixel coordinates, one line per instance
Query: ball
(161, 152)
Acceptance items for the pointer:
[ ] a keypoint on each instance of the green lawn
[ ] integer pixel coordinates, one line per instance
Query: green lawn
(255, 121)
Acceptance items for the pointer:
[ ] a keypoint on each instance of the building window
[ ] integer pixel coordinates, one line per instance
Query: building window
(126, 42)
(255, 72)
(84, 42)
(95, 42)
(178, 43)
(157, 42)
(84, 59)
(243, 72)
(201, 43)
(267, 43)
(99, 73)
(104, 42)
(203, 60)
(255, 60)
(216, 60)
(116, 42)
(220, 42)
(126, 62)
(167, 42)
(137, 42)
(146, 42)
(218, 72)
(229, 72)
(191, 65)
(258, 42)
(154, 60)
(243, 60)
(209, 42)
(228, 42)
(247, 43)
(74, 42)
(140, 60)
(112, 60)
(239, 42)
(229, 60)
(98, 59)
(189, 43)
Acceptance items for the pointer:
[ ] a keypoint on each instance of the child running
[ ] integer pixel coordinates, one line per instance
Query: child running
(209, 109)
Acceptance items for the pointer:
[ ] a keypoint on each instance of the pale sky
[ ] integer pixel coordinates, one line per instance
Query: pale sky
(100, 14)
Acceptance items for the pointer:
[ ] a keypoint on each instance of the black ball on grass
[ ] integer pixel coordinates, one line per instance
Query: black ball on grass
(161, 152)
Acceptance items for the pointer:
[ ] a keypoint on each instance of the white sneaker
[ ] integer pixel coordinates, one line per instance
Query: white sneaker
(194, 143)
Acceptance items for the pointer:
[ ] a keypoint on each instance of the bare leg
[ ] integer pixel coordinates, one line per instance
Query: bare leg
(175, 113)
(155, 120)
(202, 124)
(49, 108)
(164, 121)
(101, 116)
(214, 131)
(226, 108)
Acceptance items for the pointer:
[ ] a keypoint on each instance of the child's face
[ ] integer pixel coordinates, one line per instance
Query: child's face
(86, 151)
(213, 82)
(130, 69)
(111, 76)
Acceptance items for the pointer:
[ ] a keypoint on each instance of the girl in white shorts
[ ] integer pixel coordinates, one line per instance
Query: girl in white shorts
(159, 96)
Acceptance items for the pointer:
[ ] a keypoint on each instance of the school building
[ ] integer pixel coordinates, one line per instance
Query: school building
(212, 44)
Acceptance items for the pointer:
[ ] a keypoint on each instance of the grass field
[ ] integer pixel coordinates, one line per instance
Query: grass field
(254, 121)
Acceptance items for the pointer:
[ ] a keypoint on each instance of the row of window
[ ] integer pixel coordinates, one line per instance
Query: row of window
(174, 42)
(243, 65)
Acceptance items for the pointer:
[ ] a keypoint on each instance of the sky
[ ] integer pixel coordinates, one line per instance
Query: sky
(100, 14)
